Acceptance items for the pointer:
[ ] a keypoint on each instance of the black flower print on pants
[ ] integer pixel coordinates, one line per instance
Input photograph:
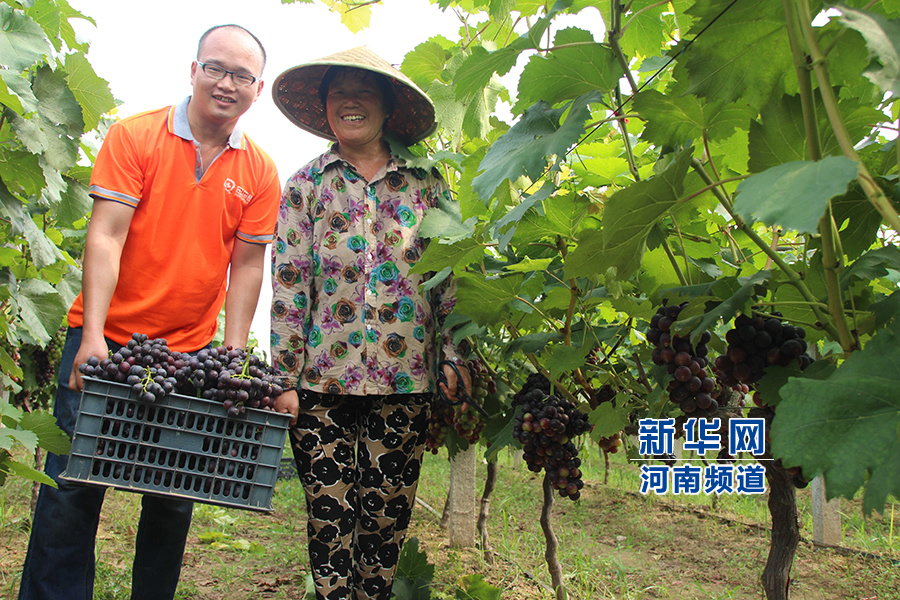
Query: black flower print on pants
(359, 458)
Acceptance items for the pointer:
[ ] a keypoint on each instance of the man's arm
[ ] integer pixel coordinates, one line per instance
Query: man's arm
(244, 281)
(105, 239)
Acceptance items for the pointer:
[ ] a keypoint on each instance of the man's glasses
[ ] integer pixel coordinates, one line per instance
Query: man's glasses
(216, 72)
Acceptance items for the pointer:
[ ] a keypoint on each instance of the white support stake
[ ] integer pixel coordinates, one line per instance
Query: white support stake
(826, 515)
(463, 515)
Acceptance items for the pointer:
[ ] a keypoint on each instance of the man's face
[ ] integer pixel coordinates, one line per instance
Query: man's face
(223, 102)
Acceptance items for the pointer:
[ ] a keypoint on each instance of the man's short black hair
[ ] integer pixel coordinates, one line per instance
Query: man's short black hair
(233, 26)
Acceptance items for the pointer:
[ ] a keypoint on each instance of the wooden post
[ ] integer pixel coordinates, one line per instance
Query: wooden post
(463, 515)
(826, 518)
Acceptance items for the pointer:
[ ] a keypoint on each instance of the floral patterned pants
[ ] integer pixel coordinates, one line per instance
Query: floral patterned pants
(359, 459)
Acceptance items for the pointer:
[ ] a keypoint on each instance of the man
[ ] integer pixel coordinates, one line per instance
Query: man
(184, 206)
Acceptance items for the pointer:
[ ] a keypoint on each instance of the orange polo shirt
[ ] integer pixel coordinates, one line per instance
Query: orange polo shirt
(174, 265)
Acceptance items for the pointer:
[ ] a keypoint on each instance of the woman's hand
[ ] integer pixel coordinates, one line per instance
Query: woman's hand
(288, 402)
(452, 387)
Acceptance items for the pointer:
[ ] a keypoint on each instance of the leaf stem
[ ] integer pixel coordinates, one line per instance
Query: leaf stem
(819, 64)
(674, 261)
(792, 275)
(832, 259)
(645, 9)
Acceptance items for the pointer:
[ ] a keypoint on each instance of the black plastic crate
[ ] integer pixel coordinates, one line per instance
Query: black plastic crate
(179, 446)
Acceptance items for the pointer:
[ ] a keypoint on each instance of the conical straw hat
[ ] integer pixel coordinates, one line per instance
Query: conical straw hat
(296, 93)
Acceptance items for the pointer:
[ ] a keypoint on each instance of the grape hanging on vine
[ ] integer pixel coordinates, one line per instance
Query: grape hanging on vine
(546, 428)
(691, 388)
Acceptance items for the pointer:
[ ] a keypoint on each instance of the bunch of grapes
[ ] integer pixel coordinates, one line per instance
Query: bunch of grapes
(546, 427)
(692, 388)
(148, 366)
(611, 444)
(534, 381)
(464, 419)
(606, 393)
(233, 376)
(469, 422)
(45, 361)
(439, 423)
(755, 343)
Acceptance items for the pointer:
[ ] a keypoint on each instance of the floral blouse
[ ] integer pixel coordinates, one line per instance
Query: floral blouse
(348, 317)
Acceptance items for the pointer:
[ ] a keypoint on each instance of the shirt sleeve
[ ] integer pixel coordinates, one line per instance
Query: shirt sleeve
(292, 279)
(117, 174)
(258, 219)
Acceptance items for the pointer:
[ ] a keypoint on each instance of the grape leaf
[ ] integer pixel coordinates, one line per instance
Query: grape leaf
(499, 432)
(91, 91)
(410, 589)
(22, 41)
(488, 301)
(525, 148)
(47, 15)
(561, 358)
(883, 41)
(629, 216)
(735, 294)
(425, 63)
(21, 87)
(457, 256)
(22, 169)
(42, 250)
(845, 427)
(676, 120)
(874, 264)
(518, 212)
(10, 435)
(11, 466)
(794, 195)
(40, 309)
(74, 204)
(533, 342)
(780, 136)
(725, 63)
(645, 31)
(578, 66)
(476, 588)
(608, 420)
(49, 436)
(40, 136)
(476, 72)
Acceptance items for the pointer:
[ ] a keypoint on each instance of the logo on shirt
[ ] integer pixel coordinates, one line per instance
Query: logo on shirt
(232, 188)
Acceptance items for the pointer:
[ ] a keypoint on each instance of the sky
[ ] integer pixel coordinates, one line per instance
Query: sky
(145, 53)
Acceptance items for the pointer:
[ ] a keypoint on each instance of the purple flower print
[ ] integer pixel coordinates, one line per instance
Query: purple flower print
(331, 265)
(353, 376)
(329, 323)
(417, 365)
(388, 208)
(324, 362)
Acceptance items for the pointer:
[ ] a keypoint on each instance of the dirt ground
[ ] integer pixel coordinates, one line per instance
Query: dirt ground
(637, 549)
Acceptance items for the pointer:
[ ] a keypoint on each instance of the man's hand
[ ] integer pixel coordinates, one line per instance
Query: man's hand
(288, 402)
(85, 351)
(452, 386)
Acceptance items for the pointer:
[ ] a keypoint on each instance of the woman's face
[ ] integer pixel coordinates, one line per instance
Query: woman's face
(355, 108)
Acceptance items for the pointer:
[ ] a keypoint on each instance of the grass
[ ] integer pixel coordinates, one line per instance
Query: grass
(613, 543)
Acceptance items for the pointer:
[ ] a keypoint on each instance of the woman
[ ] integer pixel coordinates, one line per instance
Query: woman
(352, 331)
